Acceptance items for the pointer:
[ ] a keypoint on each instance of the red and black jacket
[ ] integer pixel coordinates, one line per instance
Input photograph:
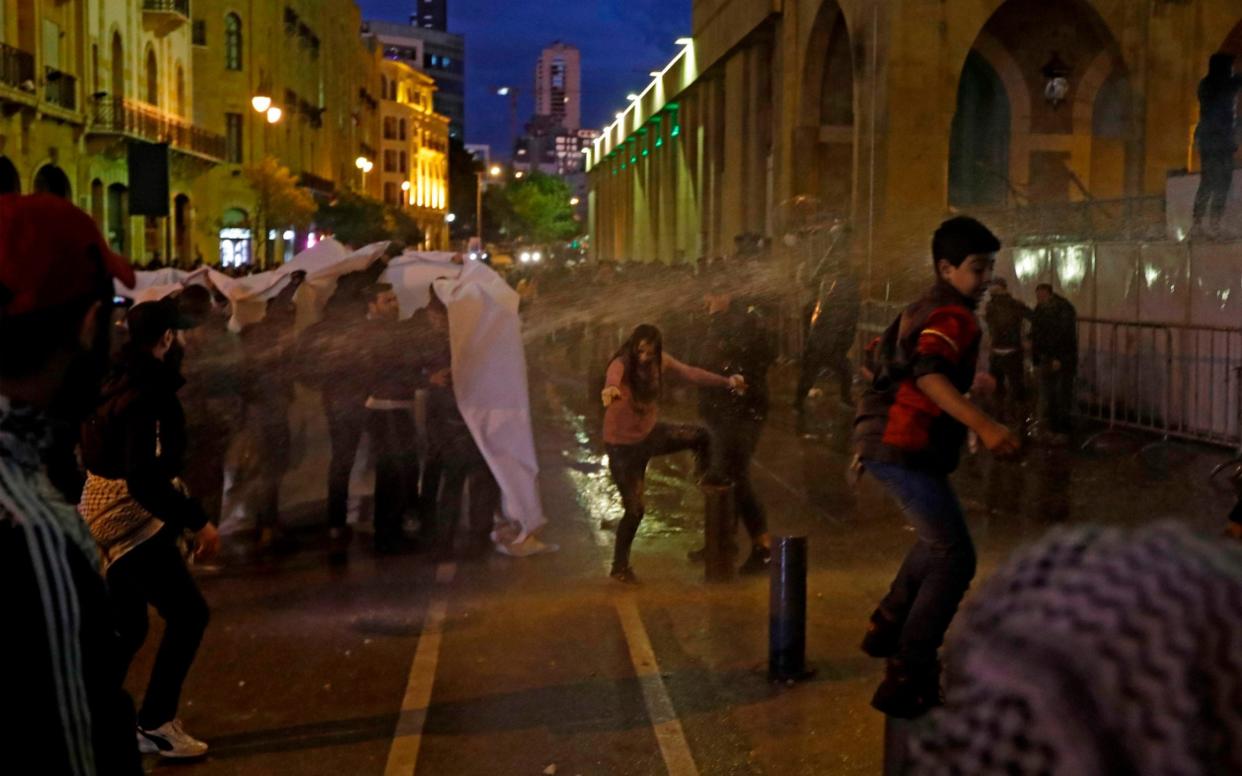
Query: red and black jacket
(898, 423)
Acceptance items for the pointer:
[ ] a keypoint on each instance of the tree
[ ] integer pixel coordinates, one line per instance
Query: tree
(463, 182)
(536, 209)
(280, 202)
(358, 220)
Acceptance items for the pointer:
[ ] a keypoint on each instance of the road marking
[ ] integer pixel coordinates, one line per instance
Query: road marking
(408, 737)
(664, 723)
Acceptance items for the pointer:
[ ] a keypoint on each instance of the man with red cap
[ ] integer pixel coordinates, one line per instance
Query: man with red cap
(60, 654)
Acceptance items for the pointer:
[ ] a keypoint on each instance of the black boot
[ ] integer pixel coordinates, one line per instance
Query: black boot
(882, 636)
(759, 562)
(910, 688)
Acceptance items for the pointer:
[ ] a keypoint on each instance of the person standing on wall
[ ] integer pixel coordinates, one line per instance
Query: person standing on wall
(1216, 136)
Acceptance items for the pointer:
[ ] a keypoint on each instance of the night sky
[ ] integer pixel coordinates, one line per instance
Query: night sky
(621, 42)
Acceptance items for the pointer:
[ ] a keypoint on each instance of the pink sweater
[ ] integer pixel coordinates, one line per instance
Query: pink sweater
(628, 422)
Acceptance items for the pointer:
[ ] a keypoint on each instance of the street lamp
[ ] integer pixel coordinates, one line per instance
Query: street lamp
(273, 114)
(495, 171)
(573, 201)
(261, 102)
(364, 164)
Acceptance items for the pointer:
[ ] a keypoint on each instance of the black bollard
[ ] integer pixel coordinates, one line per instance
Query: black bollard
(719, 530)
(787, 610)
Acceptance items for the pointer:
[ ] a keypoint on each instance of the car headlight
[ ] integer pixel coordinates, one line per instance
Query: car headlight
(525, 257)
(474, 256)
(536, 256)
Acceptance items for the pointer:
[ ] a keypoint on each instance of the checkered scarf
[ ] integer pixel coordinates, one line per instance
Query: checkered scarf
(1097, 652)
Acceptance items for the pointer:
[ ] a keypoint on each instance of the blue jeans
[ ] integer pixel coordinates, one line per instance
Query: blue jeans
(939, 567)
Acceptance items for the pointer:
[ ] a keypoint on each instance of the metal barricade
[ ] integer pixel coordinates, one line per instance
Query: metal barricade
(1175, 380)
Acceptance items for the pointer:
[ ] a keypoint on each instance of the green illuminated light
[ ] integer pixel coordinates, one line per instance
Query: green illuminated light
(659, 142)
(645, 152)
(633, 160)
(676, 131)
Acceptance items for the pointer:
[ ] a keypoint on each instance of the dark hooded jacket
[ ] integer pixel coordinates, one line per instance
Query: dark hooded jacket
(1218, 111)
(736, 342)
(138, 435)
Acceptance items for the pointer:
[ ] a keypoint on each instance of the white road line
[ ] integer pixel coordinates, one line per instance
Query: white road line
(664, 723)
(408, 737)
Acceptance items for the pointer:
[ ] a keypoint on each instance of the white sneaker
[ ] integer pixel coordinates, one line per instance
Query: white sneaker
(525, 548)
(170, 740)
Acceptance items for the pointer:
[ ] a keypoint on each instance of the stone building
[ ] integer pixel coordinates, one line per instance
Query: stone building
(413, 163)
(889, 114)
(85, 86)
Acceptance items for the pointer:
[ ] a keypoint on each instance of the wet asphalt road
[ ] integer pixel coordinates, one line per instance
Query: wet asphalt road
(540, 662)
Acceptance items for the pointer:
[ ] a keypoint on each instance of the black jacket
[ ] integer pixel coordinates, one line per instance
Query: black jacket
(736, 342)
(138, 435)
(1004, 316)
(1218, 117)
(1054, 332)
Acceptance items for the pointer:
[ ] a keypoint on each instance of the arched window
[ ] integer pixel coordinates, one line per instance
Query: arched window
(232, 42)
(153, 81)
(181, 106)
(118, 66)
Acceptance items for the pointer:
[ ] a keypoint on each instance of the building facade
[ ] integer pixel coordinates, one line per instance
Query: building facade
(143, 114)
(558, 86)
(431, 15)
(88, 88)
(413, 167)
(889, 114)
(439, 54)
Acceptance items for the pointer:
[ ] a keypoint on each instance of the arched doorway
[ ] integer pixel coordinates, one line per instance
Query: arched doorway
(153, 80)
(824, 159)
(118, 66)
(52, 180)
(118, 218)
(979, 139)
(10, 180)
(97, 202)
(183, 251)
(235, 238)
(1052, 154)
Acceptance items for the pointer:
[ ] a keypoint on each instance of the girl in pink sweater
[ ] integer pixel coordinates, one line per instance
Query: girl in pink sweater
(632, 432)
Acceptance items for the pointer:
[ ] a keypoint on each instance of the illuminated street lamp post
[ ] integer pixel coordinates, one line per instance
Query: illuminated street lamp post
(364, 164)
(494, 171)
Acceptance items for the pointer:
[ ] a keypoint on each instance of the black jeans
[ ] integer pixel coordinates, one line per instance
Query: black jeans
(396, 470)
(1214, 184)
(462, 465)
(155, 573)
(628, 465)
(1056, 389)
(733, 443)
(939, 567)
(817, 357)
(345, 422)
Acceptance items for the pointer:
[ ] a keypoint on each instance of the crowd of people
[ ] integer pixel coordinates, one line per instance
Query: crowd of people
(132, 423)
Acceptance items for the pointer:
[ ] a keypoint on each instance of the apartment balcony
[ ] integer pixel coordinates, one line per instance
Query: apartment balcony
(17, 68)
(163, 16)
(60, 89)
(128, 118)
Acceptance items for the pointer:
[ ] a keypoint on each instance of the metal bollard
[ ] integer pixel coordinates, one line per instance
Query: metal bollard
(719, 532)
(787, 610)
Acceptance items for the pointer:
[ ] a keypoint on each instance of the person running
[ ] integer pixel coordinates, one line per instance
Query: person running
(60, 654)
(633, 384)
(136, 507)
(908, 433)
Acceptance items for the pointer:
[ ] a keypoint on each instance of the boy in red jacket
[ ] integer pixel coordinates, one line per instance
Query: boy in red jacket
(911, 424)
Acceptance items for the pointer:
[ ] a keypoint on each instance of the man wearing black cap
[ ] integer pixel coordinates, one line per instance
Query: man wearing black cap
(59, 657)
(134, 447)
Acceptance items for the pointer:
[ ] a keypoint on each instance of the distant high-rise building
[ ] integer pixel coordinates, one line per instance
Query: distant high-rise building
(431, 14)
(558, 85)
(441, 55)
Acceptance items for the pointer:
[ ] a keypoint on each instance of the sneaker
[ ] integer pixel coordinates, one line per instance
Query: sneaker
(881, 637)
(624, 575)
(170, 740)
(909, 689)
(759, 562)
(530, 545)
